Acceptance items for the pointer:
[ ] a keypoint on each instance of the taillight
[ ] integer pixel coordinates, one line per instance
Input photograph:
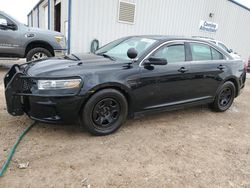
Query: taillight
(248, 62)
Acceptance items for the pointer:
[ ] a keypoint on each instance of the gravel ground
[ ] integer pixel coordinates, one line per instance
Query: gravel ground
(193, 147)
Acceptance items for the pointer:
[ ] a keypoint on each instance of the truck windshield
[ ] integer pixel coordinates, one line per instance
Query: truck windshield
(118, 49)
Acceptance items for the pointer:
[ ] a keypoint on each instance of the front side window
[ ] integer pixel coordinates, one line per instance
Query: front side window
(200, 52)
(173, 53)
(119, 48)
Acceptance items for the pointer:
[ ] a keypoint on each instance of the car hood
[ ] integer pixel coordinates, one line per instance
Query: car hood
(61, 67)
(36, 30)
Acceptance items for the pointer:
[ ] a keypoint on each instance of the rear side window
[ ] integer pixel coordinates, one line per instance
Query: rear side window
(200, 52)
(173, 53)
(203, 52)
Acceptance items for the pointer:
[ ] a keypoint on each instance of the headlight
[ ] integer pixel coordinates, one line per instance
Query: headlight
(58, 84)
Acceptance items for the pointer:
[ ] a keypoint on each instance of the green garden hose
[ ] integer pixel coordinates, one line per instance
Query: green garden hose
(12, 151)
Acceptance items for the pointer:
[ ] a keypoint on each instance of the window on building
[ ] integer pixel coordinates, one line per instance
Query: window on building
(173, 53)
(126, 12)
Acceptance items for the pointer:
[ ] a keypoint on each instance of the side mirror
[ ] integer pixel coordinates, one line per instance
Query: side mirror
(3, 22)
(155, 61)
(230, 51)
(132, 53)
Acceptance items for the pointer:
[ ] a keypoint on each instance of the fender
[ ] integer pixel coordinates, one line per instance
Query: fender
(235, 81)
(125, 90)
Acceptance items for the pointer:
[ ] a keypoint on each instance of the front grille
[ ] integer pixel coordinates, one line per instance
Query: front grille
(26, 85)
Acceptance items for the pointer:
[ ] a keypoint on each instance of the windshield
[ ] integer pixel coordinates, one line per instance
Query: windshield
(118, 49)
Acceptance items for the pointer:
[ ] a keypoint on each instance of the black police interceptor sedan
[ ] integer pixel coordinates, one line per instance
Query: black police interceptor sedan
(127, 77)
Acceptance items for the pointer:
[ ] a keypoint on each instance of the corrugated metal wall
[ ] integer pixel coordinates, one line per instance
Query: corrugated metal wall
(42, 12)
(98, 19)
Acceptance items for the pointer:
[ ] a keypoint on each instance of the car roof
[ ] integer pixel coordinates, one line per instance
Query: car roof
(163, 38)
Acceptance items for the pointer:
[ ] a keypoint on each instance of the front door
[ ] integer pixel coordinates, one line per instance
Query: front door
(165, 85)
(9, 38)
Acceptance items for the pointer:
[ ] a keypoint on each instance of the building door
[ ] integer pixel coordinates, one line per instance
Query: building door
(58, 17)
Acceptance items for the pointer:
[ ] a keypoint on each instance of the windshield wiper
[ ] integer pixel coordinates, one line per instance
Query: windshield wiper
(107, 56)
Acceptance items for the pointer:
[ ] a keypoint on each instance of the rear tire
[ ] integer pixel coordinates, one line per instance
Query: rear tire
(104, 112)
(225, 97)
(38, 53)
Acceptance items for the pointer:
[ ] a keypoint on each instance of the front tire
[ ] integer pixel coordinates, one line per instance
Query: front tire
(105, 112)
(38, 53)
(225, 97)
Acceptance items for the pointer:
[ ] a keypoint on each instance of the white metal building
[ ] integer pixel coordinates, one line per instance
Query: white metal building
(84, 20)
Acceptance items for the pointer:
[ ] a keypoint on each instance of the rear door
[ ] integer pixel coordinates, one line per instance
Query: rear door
(207, 69)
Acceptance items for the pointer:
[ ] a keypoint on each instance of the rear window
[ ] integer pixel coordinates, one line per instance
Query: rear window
(223, 46)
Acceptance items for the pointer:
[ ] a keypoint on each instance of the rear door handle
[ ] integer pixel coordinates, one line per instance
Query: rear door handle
(221, 67)
(183, 69)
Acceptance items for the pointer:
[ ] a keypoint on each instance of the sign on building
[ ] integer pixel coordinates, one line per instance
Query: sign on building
(208, 26)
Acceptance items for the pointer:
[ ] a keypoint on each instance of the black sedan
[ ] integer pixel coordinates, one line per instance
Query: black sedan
(125, 78)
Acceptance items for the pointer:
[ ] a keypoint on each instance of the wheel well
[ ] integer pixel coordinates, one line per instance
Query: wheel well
(39, 44)
(235, 84)
(123, 91)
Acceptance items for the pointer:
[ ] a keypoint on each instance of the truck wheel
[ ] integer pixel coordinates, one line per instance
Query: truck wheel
(225, 97)
(104, 112)
(38, 53)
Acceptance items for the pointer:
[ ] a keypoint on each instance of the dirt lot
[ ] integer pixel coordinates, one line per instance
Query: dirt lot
(187, 148)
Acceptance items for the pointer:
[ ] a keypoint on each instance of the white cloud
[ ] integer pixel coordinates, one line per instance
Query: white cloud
(18, 9)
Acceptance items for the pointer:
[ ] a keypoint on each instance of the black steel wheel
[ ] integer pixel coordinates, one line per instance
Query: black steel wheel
(105, 112)
(225, 97)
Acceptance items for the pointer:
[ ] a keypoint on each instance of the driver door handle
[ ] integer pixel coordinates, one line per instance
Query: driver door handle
(182, 70)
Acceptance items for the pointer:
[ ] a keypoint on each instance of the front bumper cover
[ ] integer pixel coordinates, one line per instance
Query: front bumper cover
(60, 53)
(22, 97)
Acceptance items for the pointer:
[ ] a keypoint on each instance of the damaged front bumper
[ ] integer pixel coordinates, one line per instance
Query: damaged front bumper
(22, 96)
